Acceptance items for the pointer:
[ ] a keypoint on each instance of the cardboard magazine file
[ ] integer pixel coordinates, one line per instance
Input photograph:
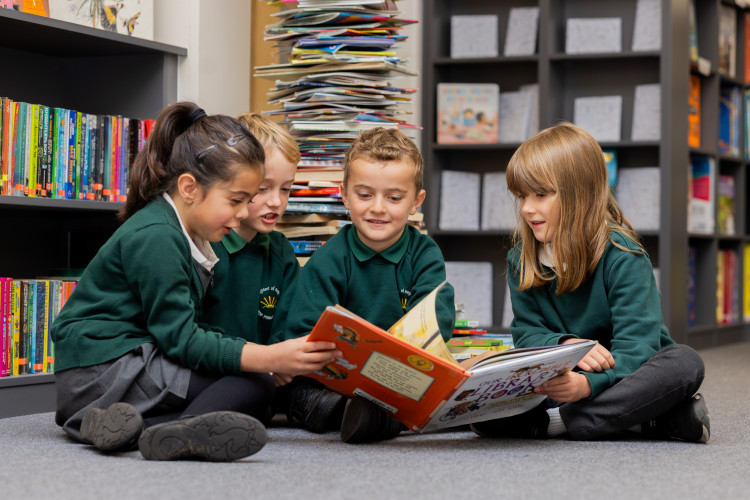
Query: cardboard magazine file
(409, 372)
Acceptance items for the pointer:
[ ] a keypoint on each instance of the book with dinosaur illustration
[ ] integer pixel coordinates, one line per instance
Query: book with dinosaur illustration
(409, 372)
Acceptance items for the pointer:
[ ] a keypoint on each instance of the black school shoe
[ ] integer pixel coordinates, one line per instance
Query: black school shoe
(315, 408)
(688, 421)
(115, 429)
(532, 424)
(364, 422)
(219, 436)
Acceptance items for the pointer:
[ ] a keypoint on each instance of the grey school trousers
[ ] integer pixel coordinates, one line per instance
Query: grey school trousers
(670, 376)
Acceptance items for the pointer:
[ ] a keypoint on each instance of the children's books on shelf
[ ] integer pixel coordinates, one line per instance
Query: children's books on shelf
(701, 185)
(409, 372)
(467, 113)
(474, 36)
(725, 211)
(521, 32)
(730, 104)
(27, 310)
(746, 283)
(694, 112)
(593, 35)
(727, 64)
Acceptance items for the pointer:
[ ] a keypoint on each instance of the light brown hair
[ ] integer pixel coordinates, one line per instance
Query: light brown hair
(385, 144)
(566, 160)
(271, 135)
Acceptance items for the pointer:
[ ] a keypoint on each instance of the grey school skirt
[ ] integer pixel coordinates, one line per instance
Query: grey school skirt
(144, 377)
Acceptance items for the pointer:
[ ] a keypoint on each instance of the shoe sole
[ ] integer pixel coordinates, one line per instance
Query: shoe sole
(700, 410)
(114, 429)
(220, 436)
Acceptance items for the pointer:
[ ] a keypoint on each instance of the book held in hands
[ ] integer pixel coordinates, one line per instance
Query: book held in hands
(409, 372)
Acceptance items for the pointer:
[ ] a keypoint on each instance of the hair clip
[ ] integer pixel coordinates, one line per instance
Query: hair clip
(203, 153)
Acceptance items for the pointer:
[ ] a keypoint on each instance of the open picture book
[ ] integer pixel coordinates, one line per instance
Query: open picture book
(409, 372)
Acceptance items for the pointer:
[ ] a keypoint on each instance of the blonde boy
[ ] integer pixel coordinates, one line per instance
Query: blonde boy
(378, 267)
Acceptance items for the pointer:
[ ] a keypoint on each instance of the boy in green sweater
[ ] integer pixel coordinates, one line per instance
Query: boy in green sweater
(378, 267)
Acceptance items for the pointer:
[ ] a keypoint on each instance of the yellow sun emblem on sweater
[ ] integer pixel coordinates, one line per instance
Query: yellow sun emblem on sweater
(403, 302)
(269, 302)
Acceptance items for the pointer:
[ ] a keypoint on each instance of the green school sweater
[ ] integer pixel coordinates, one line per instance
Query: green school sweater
(617, 306)
(380, 287)
(142, 286)
(253, 287)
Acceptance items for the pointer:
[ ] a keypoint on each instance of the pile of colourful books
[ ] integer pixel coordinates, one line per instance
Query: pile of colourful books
(336, 76)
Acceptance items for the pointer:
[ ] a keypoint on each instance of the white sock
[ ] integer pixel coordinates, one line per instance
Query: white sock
(556, 424)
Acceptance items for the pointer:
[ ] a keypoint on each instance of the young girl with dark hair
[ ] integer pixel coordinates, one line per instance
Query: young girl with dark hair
(578, 271)
(132, 362)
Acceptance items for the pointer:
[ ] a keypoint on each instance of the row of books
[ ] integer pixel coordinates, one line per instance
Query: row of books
(27, 310)
(730, 286)
(62, 153)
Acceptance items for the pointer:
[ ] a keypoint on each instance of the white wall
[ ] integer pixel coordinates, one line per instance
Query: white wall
(216, 33)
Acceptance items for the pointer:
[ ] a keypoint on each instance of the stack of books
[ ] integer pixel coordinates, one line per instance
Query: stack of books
(470, 340)
(336, 77)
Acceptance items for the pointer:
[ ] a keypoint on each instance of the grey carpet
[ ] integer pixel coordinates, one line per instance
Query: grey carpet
(41, 463)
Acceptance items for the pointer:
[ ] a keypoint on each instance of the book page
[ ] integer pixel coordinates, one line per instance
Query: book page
(503, 384)
(420, 327)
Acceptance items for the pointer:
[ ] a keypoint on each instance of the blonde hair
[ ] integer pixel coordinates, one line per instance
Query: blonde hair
(385, 144)
(271, 135)
(565, 160)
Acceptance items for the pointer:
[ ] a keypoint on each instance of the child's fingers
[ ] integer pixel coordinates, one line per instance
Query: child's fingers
(320, 345)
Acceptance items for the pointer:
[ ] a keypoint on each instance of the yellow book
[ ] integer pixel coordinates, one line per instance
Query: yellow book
(746, 284)
(720, 288)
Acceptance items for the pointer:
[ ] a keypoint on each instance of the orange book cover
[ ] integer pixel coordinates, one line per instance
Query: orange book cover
(409, 372)
(694, 112)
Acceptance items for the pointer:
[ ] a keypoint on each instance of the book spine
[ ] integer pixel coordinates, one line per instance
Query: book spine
(31, 339)
(47, 144)
(85, 144)
(7, 141)
(40, 326)
(34, 142)
(71, 155)
(79, 156)
(27, 149)
(3, 329)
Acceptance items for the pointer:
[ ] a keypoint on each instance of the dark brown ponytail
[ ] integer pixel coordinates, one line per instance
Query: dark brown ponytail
(178, 144)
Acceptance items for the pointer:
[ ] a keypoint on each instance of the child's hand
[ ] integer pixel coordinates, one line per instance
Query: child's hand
(597, 359)
(566, 388)
(291, 357)
(282, 378)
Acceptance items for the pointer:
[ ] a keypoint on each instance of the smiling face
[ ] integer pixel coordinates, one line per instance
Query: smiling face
(541, 211)
(212, 213)
(380, 197)
(272, 198)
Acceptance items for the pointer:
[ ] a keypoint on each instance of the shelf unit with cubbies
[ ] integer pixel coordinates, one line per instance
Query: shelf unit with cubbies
(707, 327)
(60, 64)
(562, 78)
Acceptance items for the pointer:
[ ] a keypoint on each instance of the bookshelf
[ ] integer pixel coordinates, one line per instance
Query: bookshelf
(562, 78)
(56, 63)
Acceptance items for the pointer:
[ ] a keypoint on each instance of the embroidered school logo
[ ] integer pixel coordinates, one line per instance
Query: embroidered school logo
(268, 302)
(405, 294)
(269, 298)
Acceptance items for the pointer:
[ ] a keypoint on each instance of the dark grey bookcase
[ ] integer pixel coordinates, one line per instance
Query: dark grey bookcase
(59, 64)
(564, 77)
